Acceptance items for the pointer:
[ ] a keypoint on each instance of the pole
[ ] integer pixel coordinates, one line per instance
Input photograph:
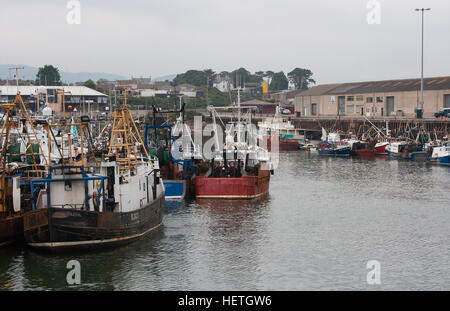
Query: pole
(421, 67)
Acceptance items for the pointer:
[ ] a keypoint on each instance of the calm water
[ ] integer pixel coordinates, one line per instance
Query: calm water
(322, 222)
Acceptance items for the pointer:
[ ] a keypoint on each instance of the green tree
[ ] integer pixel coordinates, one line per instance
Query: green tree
(48, 75)
(90, 84)
(210, 75)
(194, 77)
(240, 76)
(279, 82)
(301, 78)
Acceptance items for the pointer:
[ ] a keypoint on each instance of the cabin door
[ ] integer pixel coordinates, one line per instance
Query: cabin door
(389, 106)
(341, 105)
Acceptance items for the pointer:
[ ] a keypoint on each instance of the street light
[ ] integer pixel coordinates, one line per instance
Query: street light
(421, 81)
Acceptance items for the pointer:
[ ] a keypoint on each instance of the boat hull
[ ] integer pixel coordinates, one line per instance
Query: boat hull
(284, 144)
(341, 152)
(288, 145)
(11, 229)
(365, 153)
(58, 229)
(445, 160)
(381, 150)
(241, 188)
(175, 189)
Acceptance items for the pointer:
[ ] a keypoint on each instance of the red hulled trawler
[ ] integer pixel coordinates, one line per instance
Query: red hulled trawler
(239, 170)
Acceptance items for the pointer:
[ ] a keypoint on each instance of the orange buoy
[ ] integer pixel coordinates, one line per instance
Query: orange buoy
(395, 117)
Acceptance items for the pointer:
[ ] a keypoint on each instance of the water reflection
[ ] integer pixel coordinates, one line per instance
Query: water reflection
(323, 220)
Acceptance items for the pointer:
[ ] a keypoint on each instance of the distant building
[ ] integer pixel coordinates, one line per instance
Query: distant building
(80, 98)
(223, 83)
(133, 83)
(375, 98)
(162, 89)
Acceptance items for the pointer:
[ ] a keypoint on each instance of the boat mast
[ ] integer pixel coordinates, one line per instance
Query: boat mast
(239, 115)
(4, 158)
(123, 144)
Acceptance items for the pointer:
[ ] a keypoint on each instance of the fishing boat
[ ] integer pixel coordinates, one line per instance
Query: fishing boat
(240, 169)
(444, 159)
(277, 123)
(333, 146)
(176, 152)
(287, 135)
(407, 151)
(17, 167)
(441, 154)
(11, 216)
(380, 148)
(284, 144)
(363, 149)
(107, 198)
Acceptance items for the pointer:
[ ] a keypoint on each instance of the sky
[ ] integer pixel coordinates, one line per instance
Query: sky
(155, 38)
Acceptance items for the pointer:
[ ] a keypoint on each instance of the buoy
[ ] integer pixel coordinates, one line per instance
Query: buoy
(441, 117)
(395, 117)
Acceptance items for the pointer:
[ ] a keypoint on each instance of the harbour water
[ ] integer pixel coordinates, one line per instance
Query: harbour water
(323, 220)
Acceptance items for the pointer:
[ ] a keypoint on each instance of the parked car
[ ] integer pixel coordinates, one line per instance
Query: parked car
(286, 111)
(445, 112)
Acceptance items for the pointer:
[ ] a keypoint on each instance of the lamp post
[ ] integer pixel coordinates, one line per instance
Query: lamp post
(421, 81)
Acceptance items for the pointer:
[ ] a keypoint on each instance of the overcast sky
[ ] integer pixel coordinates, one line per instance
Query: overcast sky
(161, 37)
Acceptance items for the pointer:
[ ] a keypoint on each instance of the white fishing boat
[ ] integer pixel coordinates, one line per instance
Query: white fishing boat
(112, 199)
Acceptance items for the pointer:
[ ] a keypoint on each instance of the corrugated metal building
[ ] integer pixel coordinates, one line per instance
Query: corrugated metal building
(80, 98)
(375, 98)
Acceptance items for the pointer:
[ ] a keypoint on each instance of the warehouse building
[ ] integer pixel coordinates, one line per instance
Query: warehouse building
(76, 98)
(376, 98)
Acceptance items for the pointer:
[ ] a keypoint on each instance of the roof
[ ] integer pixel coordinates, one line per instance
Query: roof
(385, 86)
(318, 90)
(34, 89)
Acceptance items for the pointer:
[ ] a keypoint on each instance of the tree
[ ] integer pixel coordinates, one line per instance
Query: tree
(90, 84)
(240, 76)
(194, 77)
(210, 74)
(301, 78)
(48, 75)
(279, 82)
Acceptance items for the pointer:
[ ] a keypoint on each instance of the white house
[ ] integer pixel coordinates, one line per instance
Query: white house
(223, 83)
